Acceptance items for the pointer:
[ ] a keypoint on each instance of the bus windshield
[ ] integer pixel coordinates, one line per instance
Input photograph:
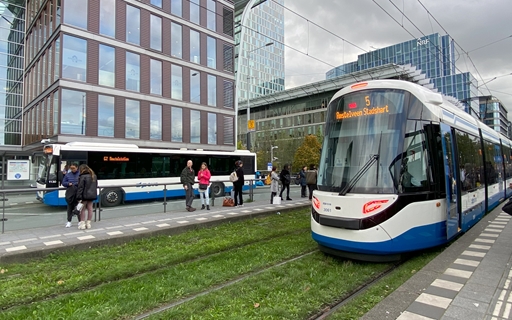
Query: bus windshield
(362, 126)
(43, 169)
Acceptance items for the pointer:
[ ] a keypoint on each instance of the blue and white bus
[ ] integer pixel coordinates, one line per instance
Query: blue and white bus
(117, 165)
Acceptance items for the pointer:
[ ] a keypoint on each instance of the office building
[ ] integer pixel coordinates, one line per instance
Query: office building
(12, 35)
(433, 55)
(494, 114)
(259, 44)
(156, 73)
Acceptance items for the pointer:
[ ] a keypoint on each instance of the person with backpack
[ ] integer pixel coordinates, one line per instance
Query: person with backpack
(238, 184)
(311, 176)
(302, 181)
(86, 194)
(285, 178)
(70, 182)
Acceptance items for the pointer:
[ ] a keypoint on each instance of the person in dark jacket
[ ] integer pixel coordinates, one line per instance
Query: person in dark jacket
(311, 176)
(187, 180)
(302, 182)
(86, 194)
(238, 185)
(285, 178)
(70, 182)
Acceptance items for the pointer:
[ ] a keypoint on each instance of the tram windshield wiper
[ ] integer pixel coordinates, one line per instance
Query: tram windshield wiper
(359, 174)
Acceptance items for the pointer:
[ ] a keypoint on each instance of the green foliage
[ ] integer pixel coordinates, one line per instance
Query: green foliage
(262, 158)
(308, 153)
(240, 146)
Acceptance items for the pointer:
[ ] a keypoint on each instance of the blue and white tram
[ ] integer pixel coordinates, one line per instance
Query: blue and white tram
(403, 169)
(119, 165)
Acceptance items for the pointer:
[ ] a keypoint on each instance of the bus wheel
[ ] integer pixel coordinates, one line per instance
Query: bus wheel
(218, 189)
(111, 197)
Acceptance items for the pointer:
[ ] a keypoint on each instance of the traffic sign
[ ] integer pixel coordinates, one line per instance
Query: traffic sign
(251, 125)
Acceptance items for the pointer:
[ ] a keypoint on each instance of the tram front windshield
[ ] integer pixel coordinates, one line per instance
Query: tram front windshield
(363, 137)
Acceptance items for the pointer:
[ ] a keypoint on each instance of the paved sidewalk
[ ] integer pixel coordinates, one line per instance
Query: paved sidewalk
(30, 243)
(470, 280)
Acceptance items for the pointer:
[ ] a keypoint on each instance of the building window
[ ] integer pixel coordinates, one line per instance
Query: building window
(228, 94)
(132, 120)
(132, 25)
(73, 112)
(107, 62)
(228, 58)
(212, 90)
(56, 75)
(176, 40)
(157, 3)
(194, 11)
(176, 124)
(227, 22)
(176, 82)
(155, 131)
(56, 112)
(156, 33)
(132, 71)
(195, 86)
(105, 116)
(176, 7)
(210, 14)
(212, 128)
(195, 42)
(75, 13)
(195, 126)
(108, 18)
(211, 52)
(156, 77)
(229, 126)
(74, 58)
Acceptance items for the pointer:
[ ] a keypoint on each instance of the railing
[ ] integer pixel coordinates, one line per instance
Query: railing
(97, 203)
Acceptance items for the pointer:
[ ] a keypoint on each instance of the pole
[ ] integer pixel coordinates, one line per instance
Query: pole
(271, 154)
(248, 118)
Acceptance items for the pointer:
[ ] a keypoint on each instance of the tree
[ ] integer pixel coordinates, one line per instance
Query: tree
(308, 153)
(240, 146)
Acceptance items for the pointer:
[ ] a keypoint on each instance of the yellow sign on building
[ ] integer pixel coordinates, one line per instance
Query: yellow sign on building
(251, 125)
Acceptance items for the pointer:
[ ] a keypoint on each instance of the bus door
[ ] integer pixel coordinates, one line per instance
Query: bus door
(453, 213)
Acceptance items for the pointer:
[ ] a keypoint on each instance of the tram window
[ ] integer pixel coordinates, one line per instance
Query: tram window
(470, 161)
(413, 169)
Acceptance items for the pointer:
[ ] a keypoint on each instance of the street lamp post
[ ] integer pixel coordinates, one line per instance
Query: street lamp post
(251, 125)
(272, 152)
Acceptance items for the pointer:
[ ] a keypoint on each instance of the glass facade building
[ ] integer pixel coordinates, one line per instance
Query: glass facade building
(153, 73)
(434, 55)
(261, 50)
(494, 114)
(12, 35)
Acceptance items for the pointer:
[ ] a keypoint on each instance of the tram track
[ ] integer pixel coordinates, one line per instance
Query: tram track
(332, 308)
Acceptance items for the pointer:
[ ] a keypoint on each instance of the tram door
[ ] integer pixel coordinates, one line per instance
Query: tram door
(451, 172)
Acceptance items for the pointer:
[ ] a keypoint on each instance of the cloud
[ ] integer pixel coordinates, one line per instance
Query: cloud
(471, 23)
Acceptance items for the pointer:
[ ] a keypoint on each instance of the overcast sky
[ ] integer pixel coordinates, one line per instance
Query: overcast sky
(471, 23)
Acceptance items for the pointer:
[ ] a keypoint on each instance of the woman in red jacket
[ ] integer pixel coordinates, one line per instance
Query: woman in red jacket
(203, 176)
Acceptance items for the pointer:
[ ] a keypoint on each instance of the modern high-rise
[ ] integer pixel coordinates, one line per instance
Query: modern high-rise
(12, 36)
(259, 53)
(433, 55)
(156, 73)
(494, 114)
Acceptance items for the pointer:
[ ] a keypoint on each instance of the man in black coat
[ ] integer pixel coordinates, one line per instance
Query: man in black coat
(187, 180)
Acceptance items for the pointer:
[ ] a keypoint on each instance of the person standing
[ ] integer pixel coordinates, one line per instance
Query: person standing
(187, 180)
(203, 176)
(70, 182)
(274, 184)
(86, 194)
(302, 181)
(311, 176)
(284, 176)
(238, 184)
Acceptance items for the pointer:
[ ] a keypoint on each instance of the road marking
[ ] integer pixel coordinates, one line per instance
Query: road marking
(140, 229)
(114, 227)
(86, 237)
(201, 219)
(132, 224)
(48, 237)
(163, 225)
(181, 222)
(246, 211)
(114, 233)
(147, 222)
(218, 216)
(73, 233)
(52, 243)
(24, 240)
(5, 243)
(162, 220)
(15, 248)
(232, 213)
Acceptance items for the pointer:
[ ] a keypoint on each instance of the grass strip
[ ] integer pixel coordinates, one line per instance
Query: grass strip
(291, 291)
(71, 271)
(135, 295)
(384, 287)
